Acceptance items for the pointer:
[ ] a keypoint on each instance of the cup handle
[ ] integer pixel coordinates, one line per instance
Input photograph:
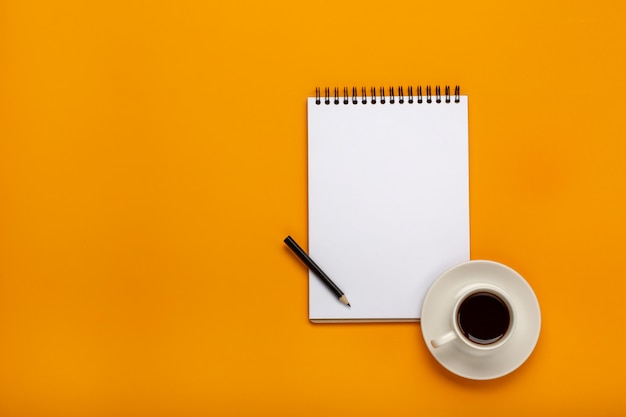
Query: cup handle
(440, 341)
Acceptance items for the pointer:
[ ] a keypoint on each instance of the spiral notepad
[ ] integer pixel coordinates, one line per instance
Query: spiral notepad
(388, 197)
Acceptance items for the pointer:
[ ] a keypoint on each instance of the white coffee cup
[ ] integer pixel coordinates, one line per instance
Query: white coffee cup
(482, 319)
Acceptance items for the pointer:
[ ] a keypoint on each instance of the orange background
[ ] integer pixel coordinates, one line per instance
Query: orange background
(153, 158)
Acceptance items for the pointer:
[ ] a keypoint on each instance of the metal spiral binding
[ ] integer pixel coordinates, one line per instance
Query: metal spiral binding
(380, 96)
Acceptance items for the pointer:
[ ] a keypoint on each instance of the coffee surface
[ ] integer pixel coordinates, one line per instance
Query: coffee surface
(483, 318)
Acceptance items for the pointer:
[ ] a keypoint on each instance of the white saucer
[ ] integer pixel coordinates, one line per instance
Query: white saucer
(438, 305)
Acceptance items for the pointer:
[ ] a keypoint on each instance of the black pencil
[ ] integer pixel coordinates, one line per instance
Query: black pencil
(316, 269)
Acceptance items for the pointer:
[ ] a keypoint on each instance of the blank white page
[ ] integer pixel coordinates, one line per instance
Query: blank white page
(388, 204)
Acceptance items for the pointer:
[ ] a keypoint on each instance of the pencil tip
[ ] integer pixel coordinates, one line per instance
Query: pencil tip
(344, 300)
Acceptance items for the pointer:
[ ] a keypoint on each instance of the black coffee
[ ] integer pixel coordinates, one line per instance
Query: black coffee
(483, 318)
